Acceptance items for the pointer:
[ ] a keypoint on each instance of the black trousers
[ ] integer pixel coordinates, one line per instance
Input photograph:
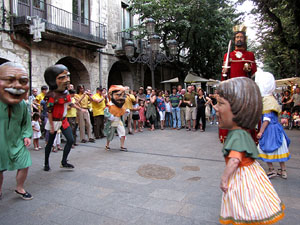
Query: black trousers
(73, 125)
(201, 115)
(70, 140)
(98, 126)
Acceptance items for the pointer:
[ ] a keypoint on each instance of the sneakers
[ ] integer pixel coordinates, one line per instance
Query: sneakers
(211, 123)
(66, 166)
(25, 196)
(272, 173)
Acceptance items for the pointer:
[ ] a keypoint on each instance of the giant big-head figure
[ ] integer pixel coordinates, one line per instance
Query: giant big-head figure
(13, 83)
(57, 77)
(116, 94)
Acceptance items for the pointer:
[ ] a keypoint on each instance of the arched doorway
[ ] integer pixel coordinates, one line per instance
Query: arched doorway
(119, 74)
(79, 73)
(3, 61)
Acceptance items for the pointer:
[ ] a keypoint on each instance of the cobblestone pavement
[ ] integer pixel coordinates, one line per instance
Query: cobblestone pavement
(166, 177)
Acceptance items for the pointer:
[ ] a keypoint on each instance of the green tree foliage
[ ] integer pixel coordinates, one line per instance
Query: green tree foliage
(278, 23)
(201, 27)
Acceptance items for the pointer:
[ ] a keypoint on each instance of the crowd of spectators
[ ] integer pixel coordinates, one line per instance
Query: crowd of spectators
(153, 109)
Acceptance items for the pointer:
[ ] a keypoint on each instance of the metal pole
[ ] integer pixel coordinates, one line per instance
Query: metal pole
(152, 77)
(152, 68)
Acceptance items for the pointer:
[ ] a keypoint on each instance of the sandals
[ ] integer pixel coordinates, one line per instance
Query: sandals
(272, 173)
(123, 149)
(25, 196)
(282, 173)
(107, 148)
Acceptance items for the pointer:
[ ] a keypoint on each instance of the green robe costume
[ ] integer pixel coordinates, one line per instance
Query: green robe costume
(13, 153)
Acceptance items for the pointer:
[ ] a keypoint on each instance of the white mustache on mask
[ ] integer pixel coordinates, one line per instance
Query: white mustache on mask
(15, 91)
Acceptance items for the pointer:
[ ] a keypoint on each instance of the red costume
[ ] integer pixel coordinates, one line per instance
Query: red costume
(237, 60)
(57, 105)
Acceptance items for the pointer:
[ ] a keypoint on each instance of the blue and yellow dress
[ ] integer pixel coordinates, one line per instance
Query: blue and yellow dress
(273, 145)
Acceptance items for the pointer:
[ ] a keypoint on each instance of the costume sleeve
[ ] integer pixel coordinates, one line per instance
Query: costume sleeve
(267, 117)
(107, 114)
(50, 104)
(253, 65)
(26, 123)
(235, 154)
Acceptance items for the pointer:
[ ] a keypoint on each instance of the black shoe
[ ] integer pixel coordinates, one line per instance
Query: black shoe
(25, 196)
(92, 140)
(123, 149)
(66, 166)
(46, 168)
(83, 141)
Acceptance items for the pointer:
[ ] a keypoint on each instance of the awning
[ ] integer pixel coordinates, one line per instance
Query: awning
(173, 80)
(212, 82)
(288, 81)
(193, 78)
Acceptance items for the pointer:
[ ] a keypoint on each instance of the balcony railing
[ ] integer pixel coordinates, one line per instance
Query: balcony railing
(61, 21)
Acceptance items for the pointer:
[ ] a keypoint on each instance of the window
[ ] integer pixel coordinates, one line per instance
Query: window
(126, 17)
(81, 11)
(126, 20)
(39, 4)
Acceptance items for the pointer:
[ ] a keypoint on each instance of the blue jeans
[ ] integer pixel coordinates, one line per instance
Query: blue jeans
(168, 119)
(176, 117)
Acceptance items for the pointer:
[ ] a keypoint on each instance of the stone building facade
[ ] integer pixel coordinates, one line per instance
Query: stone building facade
(86, 42)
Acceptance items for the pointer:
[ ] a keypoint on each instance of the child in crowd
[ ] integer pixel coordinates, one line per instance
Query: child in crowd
(36, 131)
(296, 118)
(284, 119)
(248, 195)
(273, 141)
(161, 108)
(135, 116)
(142, 115)
(56, 142)
(168, 112)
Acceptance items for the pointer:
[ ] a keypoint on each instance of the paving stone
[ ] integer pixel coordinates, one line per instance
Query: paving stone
(168, 194)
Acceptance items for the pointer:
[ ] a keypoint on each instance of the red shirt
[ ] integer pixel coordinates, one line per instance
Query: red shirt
(237, 59)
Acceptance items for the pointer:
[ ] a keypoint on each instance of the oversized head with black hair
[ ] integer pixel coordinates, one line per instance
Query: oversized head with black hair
(57, 77)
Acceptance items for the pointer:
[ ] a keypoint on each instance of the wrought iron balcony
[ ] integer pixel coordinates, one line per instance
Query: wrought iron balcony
(71, 27)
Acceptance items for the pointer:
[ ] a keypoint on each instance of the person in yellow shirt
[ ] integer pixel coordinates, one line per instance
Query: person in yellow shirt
(37, 102)
(82, 99)
(41, 96)
(98, 106)
(130, 99)
(71, 116)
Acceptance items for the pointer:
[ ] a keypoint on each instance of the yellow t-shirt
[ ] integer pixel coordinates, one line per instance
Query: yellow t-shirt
(98, 108)
(128, 101)
(39, 98)
(72, 112)
(84, 102)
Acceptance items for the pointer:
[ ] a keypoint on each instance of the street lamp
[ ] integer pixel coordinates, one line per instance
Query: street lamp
(151, 54)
